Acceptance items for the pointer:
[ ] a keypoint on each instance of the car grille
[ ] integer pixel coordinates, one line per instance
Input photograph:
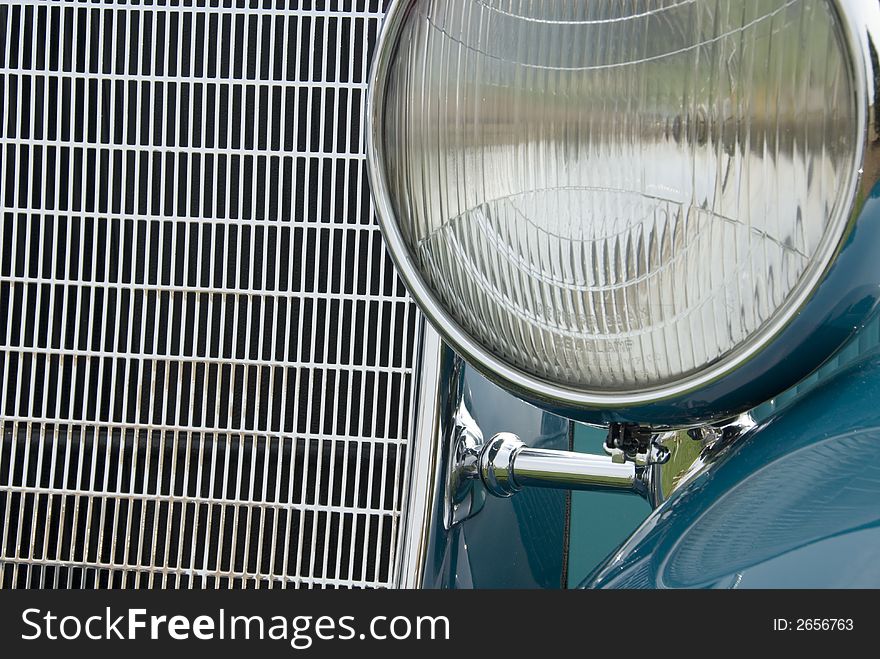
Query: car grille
(207, 357)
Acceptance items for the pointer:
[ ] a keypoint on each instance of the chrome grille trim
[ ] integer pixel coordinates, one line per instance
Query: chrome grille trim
(206, 376)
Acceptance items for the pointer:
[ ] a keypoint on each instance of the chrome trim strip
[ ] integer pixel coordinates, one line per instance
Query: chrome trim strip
(423, 465)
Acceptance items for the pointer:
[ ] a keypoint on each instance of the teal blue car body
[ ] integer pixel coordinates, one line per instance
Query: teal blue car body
(795, 503)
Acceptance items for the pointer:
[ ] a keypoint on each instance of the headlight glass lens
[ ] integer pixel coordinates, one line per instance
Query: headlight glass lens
(612, 195)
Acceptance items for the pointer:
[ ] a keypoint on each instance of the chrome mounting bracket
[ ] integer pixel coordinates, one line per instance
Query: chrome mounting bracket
(504, 465)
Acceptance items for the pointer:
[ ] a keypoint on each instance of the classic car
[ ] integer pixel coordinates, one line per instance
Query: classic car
(439, 294)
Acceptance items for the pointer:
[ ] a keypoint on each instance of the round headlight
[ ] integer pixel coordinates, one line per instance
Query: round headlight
(610, 204)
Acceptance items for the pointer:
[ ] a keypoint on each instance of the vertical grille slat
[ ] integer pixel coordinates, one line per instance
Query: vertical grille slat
(206, 365)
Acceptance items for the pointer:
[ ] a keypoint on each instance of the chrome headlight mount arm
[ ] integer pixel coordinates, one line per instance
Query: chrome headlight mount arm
(637, 461)
(504, 465)
(507, 465)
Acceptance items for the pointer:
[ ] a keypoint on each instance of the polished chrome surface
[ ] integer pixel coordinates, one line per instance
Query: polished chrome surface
(424, 466)
(440, 423)
(507, 465)
(577, 471)
(861, 24)
(207, 360)
(464, 497)
(689, 453)
(496, 464)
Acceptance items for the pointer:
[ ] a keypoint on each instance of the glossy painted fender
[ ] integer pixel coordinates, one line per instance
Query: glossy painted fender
(794, 504)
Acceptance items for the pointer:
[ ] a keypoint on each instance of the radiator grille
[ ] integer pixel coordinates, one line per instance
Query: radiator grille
(207, 356)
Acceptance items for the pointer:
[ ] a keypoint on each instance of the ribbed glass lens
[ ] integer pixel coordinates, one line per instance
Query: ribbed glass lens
(613, 195)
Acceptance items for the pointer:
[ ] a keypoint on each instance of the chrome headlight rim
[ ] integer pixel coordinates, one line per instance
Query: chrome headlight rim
(860, 26)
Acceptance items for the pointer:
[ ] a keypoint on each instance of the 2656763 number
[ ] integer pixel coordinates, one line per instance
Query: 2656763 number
(823, 624)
